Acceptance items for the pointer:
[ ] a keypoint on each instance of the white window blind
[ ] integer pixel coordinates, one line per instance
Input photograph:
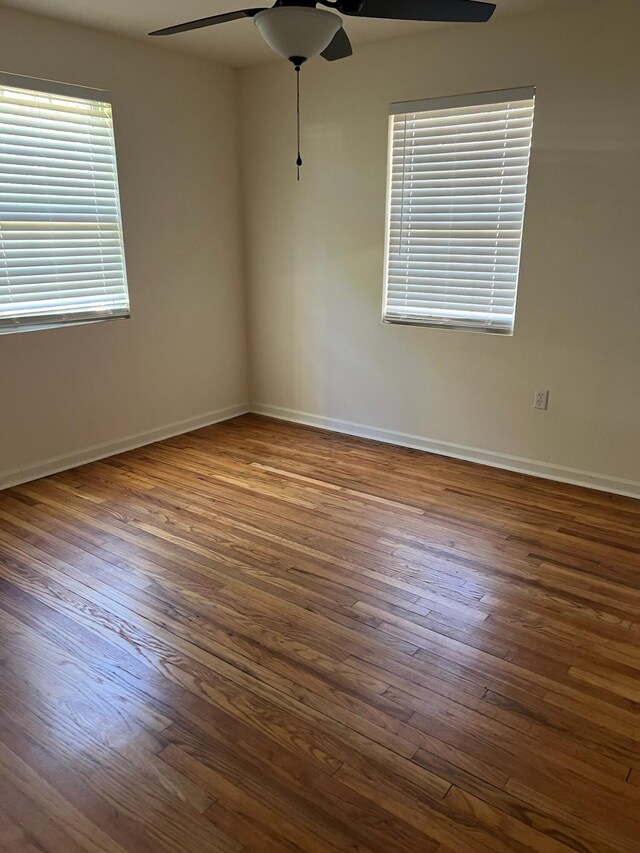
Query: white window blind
(61, 250)
(458, 172)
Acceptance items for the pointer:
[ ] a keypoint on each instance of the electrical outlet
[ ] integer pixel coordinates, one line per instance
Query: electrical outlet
(541, 400)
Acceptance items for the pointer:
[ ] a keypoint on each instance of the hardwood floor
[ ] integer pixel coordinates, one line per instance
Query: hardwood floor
(263, 637)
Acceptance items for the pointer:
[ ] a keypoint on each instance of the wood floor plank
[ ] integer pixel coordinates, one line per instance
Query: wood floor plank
(265, 637)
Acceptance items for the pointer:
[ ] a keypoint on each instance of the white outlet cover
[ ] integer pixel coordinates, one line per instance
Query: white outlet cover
(541, 400)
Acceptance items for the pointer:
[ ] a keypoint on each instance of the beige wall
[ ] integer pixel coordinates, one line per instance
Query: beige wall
(315, 249)
(182, 356)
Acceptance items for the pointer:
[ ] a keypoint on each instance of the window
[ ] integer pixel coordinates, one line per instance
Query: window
(457, 185)
(61, 250)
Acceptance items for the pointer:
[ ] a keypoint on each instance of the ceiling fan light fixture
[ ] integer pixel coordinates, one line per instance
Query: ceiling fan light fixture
(297, 32)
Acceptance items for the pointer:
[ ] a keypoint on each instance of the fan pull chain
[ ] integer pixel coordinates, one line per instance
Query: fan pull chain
(299, 158)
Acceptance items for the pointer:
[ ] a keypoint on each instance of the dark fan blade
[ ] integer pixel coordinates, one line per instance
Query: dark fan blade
(206, 22)
(420, 10)
(339, 48)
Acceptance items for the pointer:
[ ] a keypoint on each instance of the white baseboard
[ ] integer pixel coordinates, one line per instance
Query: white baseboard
(46, 467)
(535, 468)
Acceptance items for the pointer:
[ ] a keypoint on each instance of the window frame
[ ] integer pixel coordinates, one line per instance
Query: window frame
(442, 103)
(53, 320)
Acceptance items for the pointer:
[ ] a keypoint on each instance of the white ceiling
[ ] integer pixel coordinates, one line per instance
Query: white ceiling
(237, 43)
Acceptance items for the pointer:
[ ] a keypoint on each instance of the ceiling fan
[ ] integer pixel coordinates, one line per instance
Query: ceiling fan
(299, 30)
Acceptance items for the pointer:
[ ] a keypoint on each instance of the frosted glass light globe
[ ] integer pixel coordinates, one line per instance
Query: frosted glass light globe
(297, 31)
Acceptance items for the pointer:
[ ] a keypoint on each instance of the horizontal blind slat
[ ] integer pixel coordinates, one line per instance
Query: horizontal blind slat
(29, 300)
(442, 281)
(443, 261)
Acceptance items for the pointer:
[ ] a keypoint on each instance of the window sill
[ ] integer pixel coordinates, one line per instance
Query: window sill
(17, 328)
(452, 327)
